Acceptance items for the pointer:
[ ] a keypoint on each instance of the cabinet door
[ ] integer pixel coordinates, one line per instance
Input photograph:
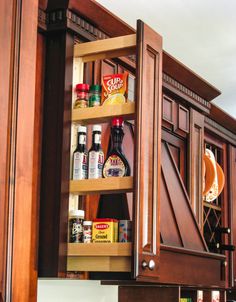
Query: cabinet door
(147, 148)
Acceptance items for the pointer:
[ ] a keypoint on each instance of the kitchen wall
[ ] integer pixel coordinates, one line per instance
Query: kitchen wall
(61, 290)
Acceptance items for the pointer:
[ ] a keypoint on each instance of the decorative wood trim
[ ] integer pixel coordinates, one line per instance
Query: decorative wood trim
(169, 80)
(220, 130)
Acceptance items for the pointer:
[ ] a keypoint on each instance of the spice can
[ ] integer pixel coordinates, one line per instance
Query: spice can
(105, 230)
(125, 230)
(87, 231)
(76, 219)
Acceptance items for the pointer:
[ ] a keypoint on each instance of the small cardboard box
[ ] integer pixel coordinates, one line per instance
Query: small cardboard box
(105, 230)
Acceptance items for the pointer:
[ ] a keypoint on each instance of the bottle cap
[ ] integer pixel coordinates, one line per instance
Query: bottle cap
(77, 213)
(117, 121)
(87, 222)
(97, 128)
(82, 129)
(82, 87)
(95, 88)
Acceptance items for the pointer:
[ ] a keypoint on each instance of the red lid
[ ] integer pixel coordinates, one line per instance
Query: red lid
(104, 220)
(82, 87)
(117, 121)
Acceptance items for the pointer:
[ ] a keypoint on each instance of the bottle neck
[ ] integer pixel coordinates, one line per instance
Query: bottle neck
(81, 142)
(117, 138)
(96, 144)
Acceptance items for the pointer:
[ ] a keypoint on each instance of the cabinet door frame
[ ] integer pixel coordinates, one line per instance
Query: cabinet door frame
(147, 157)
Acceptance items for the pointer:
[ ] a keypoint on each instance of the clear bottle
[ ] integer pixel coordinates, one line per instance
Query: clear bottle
(80, 156)
(76, 219)
(82, 91)
(96, 155)
(116, 164)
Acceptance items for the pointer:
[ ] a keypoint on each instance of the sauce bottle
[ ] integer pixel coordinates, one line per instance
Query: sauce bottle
(80, 156)
(116, 164)
(96, 155)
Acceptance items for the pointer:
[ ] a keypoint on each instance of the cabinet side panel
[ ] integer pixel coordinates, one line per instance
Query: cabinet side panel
(147, 161)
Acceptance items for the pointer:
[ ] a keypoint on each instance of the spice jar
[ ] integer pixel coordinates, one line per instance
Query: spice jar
(87, 231)
(82, 91)
(95, 96)
(76, 218)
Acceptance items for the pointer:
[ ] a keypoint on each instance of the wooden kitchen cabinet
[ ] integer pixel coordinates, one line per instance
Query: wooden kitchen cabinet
(171, 110)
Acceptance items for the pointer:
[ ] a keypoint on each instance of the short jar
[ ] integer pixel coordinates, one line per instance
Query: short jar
(76, 219)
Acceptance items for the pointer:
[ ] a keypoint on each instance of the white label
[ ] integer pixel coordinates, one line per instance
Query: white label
(82, 139)
(96, 160)
(97, 138)
(80, 166)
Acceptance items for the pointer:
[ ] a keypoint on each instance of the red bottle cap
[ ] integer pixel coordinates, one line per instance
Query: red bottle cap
(117, 121)
(83, 87)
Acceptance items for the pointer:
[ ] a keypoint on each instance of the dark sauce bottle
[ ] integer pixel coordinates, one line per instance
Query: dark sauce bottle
(116, 164)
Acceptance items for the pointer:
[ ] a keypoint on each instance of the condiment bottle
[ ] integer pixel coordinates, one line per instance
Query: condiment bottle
(116, 163)
(76, 218)
(96, 155)
(87, 231)
(82, 91)
(80, 156)
(95, 96)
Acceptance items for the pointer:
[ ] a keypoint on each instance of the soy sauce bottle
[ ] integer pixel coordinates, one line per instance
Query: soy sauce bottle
(116, 164)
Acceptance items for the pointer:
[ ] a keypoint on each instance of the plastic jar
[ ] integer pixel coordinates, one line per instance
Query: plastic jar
(87, 231)
(76, 219)
(95, 96)
(82, 91)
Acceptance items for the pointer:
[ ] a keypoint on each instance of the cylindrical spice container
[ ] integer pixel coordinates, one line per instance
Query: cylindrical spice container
(82, 91)
(76, 219)
(87, 231)
(95, 96)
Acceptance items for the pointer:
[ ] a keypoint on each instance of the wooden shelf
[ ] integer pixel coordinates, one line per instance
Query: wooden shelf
(103, 114)
(105, 49)
(99, 257)
(102, 185)
(100, 249)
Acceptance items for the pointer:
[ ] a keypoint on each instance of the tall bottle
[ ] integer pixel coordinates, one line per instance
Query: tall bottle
(116, 163)
(96, 155)
(80, 156)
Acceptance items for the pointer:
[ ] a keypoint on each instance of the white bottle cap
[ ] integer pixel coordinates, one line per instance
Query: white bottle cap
(86, 222)
(97, 128)
(82, 129)
(77, 213)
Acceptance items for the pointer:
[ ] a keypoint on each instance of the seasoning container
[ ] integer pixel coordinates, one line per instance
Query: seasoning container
(76, 218)
(87, 231)
(105, 230)
(125, 230)
(95, 96)
(82, 91)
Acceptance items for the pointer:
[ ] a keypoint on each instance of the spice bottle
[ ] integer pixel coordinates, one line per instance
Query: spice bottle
(116, 164)
(95, 96)
(96, 155)
(76, 218)
(87, 231)
(80, 156)
(82, 91)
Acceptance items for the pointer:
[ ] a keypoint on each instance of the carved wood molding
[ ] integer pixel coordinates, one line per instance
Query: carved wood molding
(175, 84)
(220, 130)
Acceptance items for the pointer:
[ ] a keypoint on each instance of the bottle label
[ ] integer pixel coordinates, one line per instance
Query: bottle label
(114, 167)
(82, 139)
(87, 234)
(80, 166)
(96, 160)
(97, 138)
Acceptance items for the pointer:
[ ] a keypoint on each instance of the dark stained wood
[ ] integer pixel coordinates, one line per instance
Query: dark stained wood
(148, 144)
(168, 110)
(183, 119)
(56, 155)
(232, 205)
(207, 296)
(195, 162)
(191, 235)
(185, 269)
(20, 130)
(223, 118)
(150, 293)
(6, 79)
